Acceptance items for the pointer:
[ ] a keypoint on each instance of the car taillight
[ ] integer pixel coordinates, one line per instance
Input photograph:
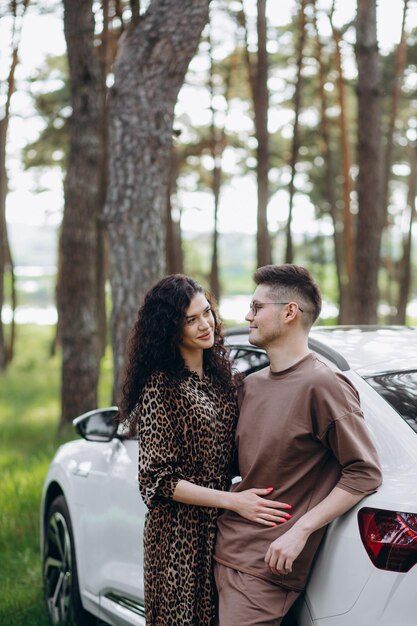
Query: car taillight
(389, 538)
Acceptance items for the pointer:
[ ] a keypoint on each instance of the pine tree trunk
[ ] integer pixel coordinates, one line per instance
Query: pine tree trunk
(102, 239)
(174, 256)
(3, 236)
(329, 177)
(149, 70)
(6, 260)
(261, 105)
(289, 252)
(18, 11)
(404, 267)
(214, 271)
(371, 210)
(258, 82)
(217, 138)
(77, 294)
(400, 60)
(348, 237)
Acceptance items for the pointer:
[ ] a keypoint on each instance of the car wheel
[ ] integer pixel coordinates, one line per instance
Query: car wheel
(60, 579)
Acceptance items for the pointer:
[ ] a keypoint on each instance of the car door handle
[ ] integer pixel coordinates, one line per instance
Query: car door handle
(81, 469)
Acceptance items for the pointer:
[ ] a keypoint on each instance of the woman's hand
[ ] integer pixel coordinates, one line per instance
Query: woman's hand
(252, 506)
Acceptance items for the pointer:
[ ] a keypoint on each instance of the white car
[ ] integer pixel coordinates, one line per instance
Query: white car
(364, 575)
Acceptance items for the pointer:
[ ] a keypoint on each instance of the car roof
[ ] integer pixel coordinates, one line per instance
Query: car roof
(369, 350)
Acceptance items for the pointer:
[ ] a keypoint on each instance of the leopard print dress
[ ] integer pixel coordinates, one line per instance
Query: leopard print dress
(186, 432)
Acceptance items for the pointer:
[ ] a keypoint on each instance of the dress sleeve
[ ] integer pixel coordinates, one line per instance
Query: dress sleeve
(347, 435)
(159, 444)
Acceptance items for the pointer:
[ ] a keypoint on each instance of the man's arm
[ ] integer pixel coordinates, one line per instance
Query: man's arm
(283, 551)
(347, 436)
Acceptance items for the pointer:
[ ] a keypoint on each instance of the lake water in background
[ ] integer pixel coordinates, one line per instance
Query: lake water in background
(34, 280)
(30, 280)
(231, 308)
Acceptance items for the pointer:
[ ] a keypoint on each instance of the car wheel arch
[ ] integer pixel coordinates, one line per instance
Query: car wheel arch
(53, 492)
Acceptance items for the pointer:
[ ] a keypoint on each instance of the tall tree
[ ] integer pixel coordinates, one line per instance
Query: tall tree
(261, 105)
(296, 128)
(404, 264)
(174, 256)
(216, 149)
(105, 60)
(258, 81)
(329, 191)
(371, 211)
(400, 60)
(400, 57)
(348, 234)
(18, 10)
(150, 67)
(77, 290)
(218, 143)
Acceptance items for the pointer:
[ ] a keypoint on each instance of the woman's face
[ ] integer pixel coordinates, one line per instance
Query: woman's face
(198, 327)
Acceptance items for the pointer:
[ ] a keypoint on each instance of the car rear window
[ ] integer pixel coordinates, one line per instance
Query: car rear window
(400, 390)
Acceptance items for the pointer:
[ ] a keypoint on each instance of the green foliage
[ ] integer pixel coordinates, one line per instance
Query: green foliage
(51, 101)
(29, 411)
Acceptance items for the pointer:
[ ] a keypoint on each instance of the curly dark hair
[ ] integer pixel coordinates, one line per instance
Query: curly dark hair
(155, 337)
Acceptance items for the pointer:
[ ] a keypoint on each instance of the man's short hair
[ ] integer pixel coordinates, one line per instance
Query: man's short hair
(290, 282)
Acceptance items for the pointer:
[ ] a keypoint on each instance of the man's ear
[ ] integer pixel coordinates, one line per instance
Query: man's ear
(291, 312)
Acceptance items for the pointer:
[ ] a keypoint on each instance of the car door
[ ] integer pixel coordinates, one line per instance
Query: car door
(111, 523)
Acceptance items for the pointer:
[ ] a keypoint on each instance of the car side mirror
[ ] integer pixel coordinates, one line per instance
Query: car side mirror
(97, 425)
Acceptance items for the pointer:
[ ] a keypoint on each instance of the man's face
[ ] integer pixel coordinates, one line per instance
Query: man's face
(265, 318)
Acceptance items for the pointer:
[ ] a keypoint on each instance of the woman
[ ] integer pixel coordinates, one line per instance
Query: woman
(179, 395)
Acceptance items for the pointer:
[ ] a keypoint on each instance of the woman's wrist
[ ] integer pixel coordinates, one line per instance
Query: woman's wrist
(228, 501)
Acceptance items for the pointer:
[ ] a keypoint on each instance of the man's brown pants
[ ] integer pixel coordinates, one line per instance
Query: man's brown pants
(245, 600)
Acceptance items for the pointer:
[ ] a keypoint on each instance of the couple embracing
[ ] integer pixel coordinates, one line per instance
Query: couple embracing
(238, 555)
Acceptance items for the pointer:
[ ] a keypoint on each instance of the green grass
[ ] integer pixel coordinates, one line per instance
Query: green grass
(29, 414)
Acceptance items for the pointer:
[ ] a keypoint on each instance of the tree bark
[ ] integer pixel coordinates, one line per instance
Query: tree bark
(77, 293)
(150, 67)
(404, 266)
(174, 256)
(18, 10)
(218, 142)
(371, 210)
(217, 137)
(390, 266)
(258, 82)
(261, 105)
(348, 235)
(289, 253)
(3, 239)
(400, 60)
(102, 240)
(329, 176)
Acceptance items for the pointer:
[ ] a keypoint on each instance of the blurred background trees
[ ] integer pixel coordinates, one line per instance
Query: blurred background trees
(7, 88)
(160, 116)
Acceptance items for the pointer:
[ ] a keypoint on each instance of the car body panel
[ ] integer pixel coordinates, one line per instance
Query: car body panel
(370, 349)
(99, 481)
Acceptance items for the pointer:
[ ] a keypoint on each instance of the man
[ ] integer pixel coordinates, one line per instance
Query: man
(300, 431)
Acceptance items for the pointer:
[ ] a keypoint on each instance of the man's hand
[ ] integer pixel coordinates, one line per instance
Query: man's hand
(283, 551)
